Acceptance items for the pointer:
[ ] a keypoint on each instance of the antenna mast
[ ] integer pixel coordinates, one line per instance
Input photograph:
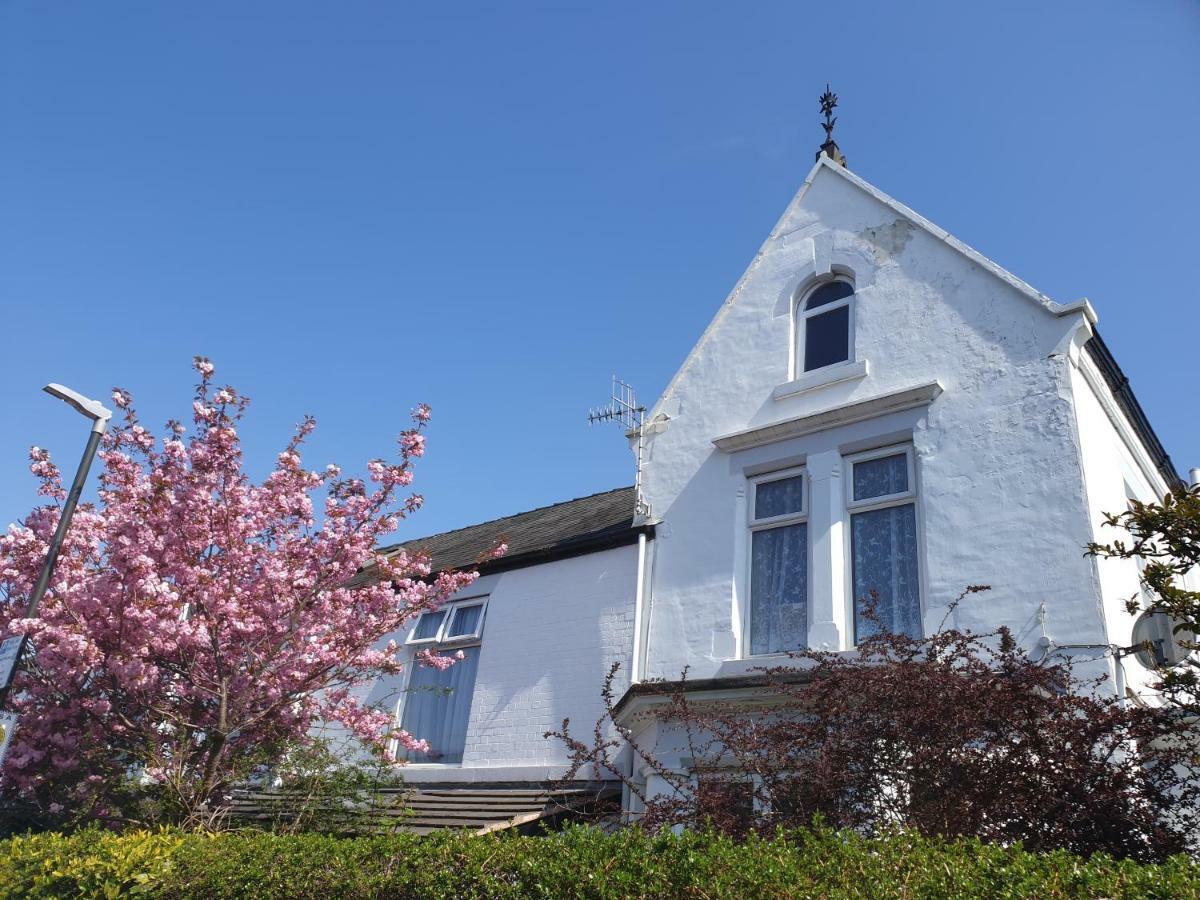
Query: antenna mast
(623, 409)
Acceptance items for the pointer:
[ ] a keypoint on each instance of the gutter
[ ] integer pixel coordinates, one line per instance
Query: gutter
(588, 544)
(1118, 383)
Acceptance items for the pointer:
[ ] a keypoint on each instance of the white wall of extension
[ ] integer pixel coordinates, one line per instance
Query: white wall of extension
(550, 634)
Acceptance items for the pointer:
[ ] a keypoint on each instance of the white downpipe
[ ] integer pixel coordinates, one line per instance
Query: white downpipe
(635, 674)
(1122, 690)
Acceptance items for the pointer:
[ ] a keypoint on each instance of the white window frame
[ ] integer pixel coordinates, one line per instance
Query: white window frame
(447, 610)
(474, 635)
(901, 498)
(802, 314)
(755, 524)
(882, 502)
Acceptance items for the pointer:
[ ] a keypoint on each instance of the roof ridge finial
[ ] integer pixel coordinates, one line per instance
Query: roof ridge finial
(830, 148)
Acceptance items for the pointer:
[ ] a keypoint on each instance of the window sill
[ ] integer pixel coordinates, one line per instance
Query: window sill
(430, 765)
(847, 371)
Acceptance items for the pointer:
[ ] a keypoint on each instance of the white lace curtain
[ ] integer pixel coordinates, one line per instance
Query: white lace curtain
(885, 561)
(437, 707)
(779, 589)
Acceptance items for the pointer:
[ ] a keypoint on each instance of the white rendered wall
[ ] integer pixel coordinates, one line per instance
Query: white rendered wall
(1113, 474)
(998, 465)
(550, 635)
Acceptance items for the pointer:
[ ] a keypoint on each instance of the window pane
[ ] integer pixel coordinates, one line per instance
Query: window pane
(828, 293)
(437, 708)
(827, 338)
(778, 498)
(779, 589)
(428, 625)
(885, 561)
(880, 477)
(465, 621)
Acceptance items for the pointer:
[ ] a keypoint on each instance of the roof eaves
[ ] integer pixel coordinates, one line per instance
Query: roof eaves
(427, 538)
(608, 539)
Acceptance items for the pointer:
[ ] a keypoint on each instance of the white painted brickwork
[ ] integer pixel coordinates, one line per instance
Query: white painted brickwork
(551, 633)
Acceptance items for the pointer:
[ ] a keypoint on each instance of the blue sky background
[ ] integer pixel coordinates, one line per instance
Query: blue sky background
(352, 207)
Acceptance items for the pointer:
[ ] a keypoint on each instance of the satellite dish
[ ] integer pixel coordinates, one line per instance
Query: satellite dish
(1157, 644)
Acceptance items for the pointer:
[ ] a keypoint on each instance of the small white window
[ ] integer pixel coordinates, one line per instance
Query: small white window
(778, 563)
(825, 326)
(466, 622)
(461, 621)
(883, 542)
(427, 628)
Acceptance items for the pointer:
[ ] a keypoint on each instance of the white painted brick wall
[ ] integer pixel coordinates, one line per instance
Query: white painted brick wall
(552, 631)
(550, 635)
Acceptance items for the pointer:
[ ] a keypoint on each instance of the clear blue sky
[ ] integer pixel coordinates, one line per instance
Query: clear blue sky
(352, 207)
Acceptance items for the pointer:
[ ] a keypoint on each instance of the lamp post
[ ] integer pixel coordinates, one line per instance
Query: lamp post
(13, 648)
(99, 415)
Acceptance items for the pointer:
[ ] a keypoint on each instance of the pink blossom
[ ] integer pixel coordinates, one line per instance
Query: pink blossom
(46, 472)
(187, 583)
(437, 661)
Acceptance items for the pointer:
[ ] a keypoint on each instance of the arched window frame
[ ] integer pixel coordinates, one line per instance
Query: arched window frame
(801, 315)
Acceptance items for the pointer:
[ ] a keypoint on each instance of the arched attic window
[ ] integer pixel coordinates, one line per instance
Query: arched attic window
(824, 332)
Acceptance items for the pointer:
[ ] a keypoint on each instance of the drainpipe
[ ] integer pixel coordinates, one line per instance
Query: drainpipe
(638, 602)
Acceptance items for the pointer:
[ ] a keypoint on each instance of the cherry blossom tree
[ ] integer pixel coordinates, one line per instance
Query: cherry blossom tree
(199, 622)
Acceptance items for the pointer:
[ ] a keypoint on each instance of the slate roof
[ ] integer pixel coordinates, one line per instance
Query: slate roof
(583, 525)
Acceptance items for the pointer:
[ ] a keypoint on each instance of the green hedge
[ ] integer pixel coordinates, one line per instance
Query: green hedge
(579, 862)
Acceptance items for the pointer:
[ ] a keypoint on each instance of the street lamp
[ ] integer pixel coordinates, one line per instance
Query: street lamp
(96, 411)
(13, 648)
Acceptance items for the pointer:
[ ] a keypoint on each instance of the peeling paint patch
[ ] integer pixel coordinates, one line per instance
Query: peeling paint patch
(888, 241)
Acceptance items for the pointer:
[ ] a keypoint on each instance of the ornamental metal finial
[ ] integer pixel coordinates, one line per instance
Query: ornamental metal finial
(830, 148)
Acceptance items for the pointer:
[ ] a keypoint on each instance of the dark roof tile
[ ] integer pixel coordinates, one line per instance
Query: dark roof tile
(551, 532)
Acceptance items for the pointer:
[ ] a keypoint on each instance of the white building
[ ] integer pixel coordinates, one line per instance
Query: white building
(875, 406)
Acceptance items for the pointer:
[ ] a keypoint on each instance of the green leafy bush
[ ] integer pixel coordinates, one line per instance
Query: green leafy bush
(578, 862)
(87, 864)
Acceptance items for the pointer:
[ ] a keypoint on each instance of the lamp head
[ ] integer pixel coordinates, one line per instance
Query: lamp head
(93, 409)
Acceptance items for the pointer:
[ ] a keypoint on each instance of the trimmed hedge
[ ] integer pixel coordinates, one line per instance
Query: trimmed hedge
(578, 862)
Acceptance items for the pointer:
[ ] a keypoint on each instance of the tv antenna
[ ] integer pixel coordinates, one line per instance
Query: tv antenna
(624, 409)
